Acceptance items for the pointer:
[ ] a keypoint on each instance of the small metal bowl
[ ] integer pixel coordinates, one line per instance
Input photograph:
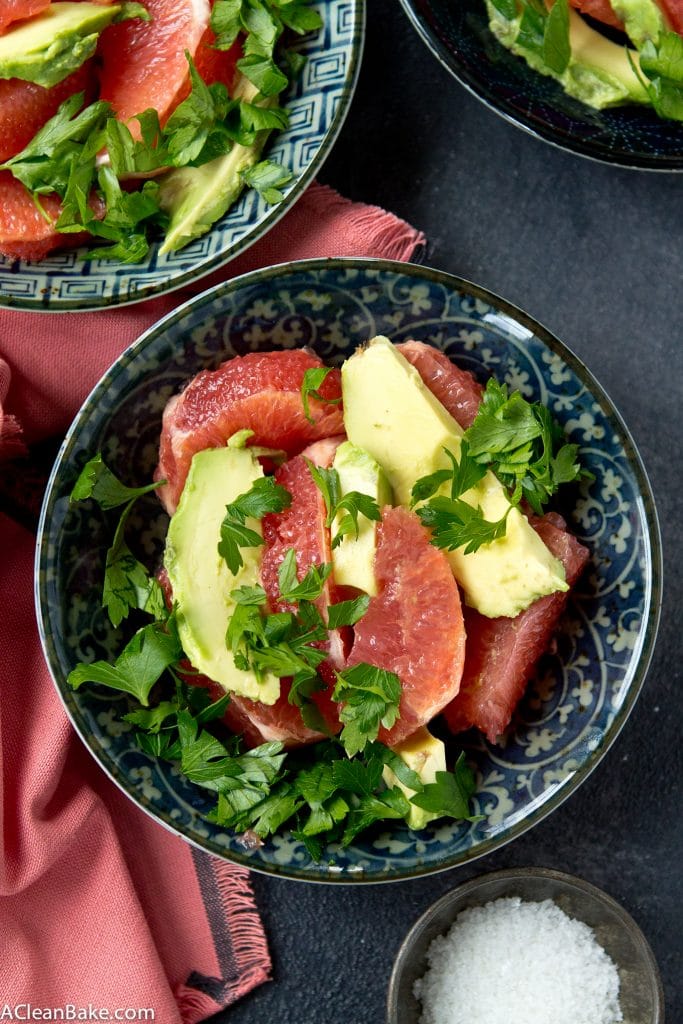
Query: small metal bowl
(640, 992)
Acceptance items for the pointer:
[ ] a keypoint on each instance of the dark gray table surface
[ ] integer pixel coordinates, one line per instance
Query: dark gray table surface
(595, 254)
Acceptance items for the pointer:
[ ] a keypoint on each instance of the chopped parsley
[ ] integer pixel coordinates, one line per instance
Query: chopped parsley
(330, 792)
(310, 388)
(63, 156)
(352, 505)
(265, 496)
(521, 444)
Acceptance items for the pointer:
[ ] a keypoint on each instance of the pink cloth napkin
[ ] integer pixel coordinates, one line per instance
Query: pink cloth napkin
(99, 905)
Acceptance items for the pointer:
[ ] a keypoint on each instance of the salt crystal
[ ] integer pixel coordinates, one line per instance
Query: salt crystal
(511, 962)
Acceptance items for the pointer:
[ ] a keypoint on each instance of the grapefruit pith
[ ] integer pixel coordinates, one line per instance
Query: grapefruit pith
(144, 63)
(456, 389)
(259, 392)
(302, 527)
(502, 653)
(414, 626)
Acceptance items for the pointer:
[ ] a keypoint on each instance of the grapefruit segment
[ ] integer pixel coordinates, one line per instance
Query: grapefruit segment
(302, 527)
(15, 10)
(24, 232)
(601, 10)
(673, 12)
(216, 65)
(414, 626)
(25, 106)
(456, 389)
(144, 63)
(259, 392)
(502, 653)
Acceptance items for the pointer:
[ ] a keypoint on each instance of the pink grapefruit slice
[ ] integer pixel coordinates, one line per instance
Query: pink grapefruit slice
(25, 106)
(15, 10)
(302, 527)
(144, 63)
(457, 390)
(414, 626)
(601, 10)
(24, 232)
(502, 653)
(259, 392)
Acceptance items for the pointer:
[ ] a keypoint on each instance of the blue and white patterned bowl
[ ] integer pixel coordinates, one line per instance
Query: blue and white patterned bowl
(318, 103)
(459, 36)
(583, 691)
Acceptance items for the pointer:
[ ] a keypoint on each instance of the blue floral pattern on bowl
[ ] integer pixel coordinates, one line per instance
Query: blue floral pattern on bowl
(583, 690)
(459, 36)
(317, 103)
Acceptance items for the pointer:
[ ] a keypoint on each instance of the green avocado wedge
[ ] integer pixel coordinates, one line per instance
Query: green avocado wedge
(201, 581)
(404, 427)
(596, 71)
(196, 197)
(49, 47)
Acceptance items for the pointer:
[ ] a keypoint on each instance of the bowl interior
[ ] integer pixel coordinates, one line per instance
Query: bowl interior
(631, 136)
(583, 689)
(640, 989)
(317, 103)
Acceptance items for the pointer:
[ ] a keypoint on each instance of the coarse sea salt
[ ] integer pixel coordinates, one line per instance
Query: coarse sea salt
(515, 962)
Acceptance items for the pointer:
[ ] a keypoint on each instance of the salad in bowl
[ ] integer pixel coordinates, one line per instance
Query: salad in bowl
(298, 592)
(142, 145)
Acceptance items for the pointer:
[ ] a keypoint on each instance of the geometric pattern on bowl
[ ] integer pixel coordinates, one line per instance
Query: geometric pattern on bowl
(318, 103)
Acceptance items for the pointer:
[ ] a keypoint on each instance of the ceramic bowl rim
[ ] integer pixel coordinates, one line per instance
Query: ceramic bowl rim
(653, 588)
(273, 216)
(448, 59)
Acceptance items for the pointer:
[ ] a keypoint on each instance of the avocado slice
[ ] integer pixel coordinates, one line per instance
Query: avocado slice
(599, 72)
(47, 48)
(201, 580)
(642, 19)
(390, 412)
(196, 197)
(354, 557)
(426, 755)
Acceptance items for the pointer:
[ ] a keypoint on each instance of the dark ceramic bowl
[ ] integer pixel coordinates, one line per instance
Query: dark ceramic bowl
(584, 689)
(640, 987)
(457, 33)
(318, 102)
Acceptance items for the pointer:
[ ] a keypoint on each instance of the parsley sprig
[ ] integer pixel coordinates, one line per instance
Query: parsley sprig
(265, 496)
(63, 156)
(330, 792)
(541, 30)
(127, 583)
(262, 23)
(370, 697)
(455, 523)
(661, 72)
(311, 383)
(521, 444)
(288, 644)
(352, 504)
